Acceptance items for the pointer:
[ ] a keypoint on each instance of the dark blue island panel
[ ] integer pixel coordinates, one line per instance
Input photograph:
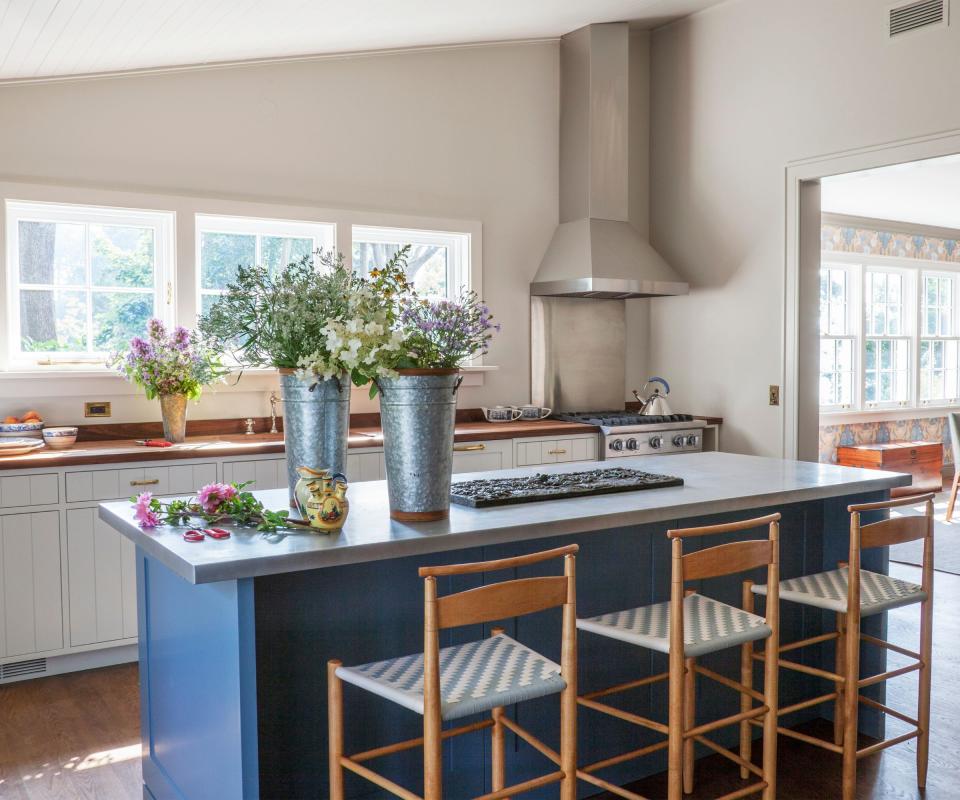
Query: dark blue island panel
(233, 671)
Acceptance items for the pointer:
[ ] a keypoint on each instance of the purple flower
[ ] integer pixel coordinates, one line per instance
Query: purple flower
(214, 495)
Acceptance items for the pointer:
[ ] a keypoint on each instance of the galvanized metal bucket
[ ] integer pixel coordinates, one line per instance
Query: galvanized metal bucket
(316, 424)
(173, 410)
(418, 411)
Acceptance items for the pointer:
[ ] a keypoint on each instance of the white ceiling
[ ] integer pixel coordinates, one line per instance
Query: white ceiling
(924, 192)
(42, 38)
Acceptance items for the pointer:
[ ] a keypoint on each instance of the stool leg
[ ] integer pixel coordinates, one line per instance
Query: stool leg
(771, 696)
(953, 492)
(497, 763)
(335, 729)
(839, 669)
(746, 678)
(850, 710)
(923, 713)
(568, 698)
(689, 721)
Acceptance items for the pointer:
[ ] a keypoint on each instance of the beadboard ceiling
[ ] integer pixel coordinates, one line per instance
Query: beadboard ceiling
(46, 38)
(924, 192)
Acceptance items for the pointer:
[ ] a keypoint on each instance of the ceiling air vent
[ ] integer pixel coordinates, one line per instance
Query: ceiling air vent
(907, 17)
(20, 668)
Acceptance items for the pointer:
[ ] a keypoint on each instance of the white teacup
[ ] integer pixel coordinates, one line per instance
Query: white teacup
(501, 413)
(533, 412)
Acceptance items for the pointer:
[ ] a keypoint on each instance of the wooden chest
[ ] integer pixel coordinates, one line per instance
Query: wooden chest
(923, 460)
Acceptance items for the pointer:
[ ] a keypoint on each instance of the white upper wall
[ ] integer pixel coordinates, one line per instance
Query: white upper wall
(468, 133)
(739, 92)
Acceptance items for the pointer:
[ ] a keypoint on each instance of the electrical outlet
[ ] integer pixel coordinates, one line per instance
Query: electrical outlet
(98, 408)
(774, 395)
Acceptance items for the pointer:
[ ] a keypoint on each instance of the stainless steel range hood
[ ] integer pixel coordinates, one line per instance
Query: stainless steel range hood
(595, 252)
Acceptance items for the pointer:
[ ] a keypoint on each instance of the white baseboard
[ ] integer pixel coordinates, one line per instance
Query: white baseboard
(43, 667)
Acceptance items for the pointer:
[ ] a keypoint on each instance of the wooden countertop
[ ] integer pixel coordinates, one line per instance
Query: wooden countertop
(125, 450)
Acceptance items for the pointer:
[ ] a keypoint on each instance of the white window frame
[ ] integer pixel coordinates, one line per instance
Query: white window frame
(916, 270)
(163, 225)
(259, 227)
(457, 244)
(954, 275)
(853, 325)
(908, 334)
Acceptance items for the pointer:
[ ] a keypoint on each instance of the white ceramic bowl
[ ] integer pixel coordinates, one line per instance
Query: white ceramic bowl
(60, 438)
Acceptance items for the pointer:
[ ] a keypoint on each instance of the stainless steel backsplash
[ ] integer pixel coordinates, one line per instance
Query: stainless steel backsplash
(578, 353)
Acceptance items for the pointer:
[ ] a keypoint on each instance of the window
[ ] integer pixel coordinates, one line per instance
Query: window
(837, 339)
(939, 345)
(889, 333)
(223, 243)
(83, 280)
(438, 264)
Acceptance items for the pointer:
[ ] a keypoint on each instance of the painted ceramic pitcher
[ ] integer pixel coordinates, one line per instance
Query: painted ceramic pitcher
(322, 498)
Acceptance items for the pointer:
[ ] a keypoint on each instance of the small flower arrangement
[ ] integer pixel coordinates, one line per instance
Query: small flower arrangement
(174, 363)
(213, 503)
(442, 334)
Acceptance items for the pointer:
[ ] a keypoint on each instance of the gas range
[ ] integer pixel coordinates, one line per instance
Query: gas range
(625, 434)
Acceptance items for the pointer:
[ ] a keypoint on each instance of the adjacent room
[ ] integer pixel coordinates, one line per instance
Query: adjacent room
(447, 400)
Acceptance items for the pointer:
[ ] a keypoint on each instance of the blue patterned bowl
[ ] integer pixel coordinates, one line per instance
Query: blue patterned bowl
(29, 430)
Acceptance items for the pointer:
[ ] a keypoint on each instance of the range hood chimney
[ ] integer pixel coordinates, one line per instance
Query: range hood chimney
(595, 252)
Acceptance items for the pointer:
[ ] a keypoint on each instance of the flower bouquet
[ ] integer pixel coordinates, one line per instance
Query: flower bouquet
(172, 366)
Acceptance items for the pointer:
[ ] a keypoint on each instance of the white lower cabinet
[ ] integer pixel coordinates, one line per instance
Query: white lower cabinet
(482, 456)
(102, 580)
(31, 604)
(261, 474)
(114, 484)
(366, 466)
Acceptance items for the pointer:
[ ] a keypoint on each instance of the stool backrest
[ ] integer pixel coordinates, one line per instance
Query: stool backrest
(496, 601)
(887, 532)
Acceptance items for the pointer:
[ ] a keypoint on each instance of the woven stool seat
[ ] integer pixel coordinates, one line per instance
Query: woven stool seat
(828, 590)
(474, 677)
(708, 625)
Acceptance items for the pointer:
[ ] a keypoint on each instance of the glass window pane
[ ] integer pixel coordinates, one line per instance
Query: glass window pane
(893, 320)
(427, 265)
(931, 322)
(278, 251)
(118, 316)
(931, 291)
(871, 354)
(879, 287)
(894, 282)
(845, 355)
(207, 302)
(221, 253)
(52, 253)
(827, 396)
(53, 321)
(870, 387)
(121, 256)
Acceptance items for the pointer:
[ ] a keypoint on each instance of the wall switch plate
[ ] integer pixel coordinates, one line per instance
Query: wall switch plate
(98, 408)
(774, 395)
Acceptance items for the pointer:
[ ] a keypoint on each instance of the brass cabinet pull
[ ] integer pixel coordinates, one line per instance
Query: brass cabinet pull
(556, 452)
(463, 448)
(145, 482)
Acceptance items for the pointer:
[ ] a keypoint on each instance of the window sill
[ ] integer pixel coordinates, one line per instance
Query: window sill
(885, 414)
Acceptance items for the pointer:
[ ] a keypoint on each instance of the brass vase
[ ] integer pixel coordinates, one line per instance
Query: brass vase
(173, 409)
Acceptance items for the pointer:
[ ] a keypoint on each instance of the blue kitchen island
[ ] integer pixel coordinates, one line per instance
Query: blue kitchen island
(235, 634)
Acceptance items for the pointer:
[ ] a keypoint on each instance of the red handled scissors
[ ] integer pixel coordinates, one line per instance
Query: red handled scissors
(197, 535)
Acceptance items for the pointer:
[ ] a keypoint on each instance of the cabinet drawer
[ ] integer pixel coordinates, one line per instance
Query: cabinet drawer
(531, 452)
(29, 490)
(31, 610)
(114, 484)
(482, 456)
(262, 474)
(366, 467)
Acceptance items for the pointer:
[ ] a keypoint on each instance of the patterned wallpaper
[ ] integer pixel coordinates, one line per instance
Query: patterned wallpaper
(931, 429)
(842, 239)
(848, 239)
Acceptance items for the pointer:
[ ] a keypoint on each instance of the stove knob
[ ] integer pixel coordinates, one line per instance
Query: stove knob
(693, 440)
(678, 440)
(616, 444)
(656, 442)
(632, 444)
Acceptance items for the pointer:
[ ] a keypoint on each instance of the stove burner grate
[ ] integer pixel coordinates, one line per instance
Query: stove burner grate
(613, 419)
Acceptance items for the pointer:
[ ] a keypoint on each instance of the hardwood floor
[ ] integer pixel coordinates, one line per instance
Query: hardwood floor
(77, 736)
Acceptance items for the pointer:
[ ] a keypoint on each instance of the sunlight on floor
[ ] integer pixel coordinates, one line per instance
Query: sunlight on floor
(105, 757)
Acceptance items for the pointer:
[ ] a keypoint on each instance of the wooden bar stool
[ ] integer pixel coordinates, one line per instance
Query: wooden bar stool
(478, 677)
(704, 626)
(854, 593)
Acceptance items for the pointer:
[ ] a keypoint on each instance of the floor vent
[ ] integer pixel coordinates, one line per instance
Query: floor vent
(907, 17)
(20, 668)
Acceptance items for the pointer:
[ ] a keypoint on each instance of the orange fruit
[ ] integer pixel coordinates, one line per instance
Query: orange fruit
(10, 421)
(30, 415)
